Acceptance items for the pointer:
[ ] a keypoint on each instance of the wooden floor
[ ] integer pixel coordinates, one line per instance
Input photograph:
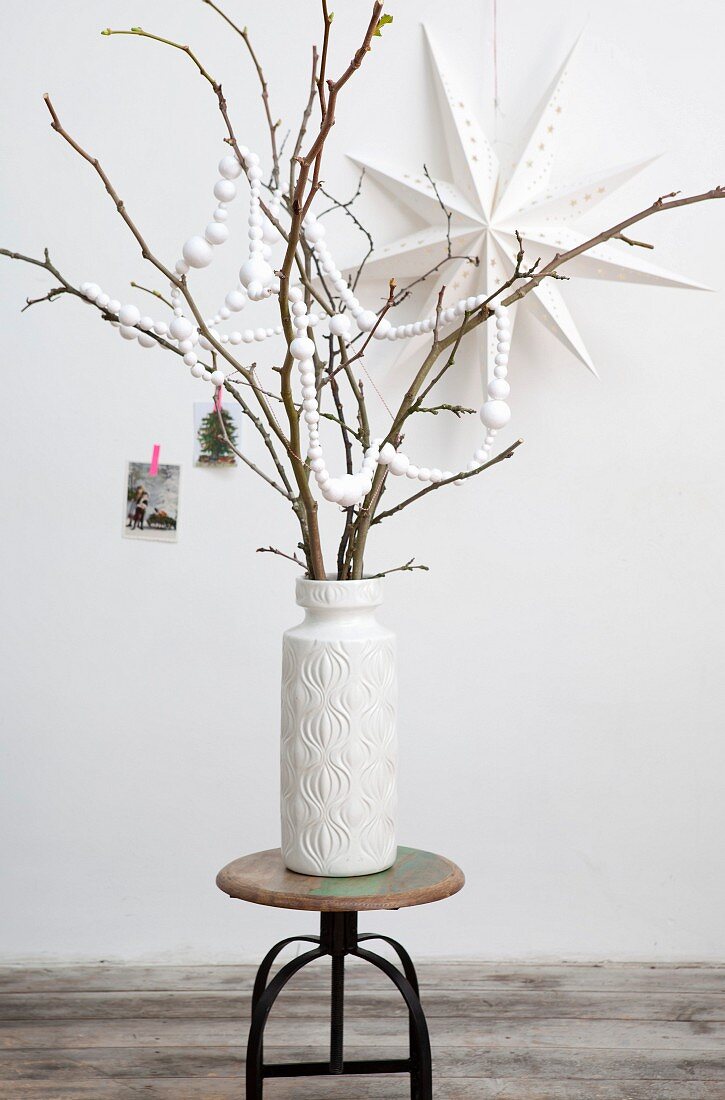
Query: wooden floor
(509, 1032)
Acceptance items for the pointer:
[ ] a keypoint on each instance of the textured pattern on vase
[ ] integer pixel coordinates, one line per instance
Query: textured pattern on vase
(365, 593)
(339, 751)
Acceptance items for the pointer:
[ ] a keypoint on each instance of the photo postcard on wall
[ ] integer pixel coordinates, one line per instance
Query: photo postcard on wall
(152, 503)
(214, 442)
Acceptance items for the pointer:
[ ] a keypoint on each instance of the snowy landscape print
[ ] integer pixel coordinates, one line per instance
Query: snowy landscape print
(152, 503)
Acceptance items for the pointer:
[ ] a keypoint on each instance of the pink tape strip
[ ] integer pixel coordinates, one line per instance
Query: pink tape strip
(218, 398)
(154, 467)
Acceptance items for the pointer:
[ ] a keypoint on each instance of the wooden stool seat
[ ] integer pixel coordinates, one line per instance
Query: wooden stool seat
(416, 878)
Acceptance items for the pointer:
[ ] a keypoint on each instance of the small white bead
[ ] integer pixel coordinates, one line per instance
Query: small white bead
(248, 335)
(387, 454)
(435, 474)
(317, 464)
(314, 232)
(412, 472)
(204, 343)
(127, 332)
(503, 346)
(92, 291)
(145, 340)
(113, 307)
(102, 300)
(255, 174)
(198, 370)
(146, 323)
(295, 294)
(217, 378)
(229, 167)
(309, 391)
(224, 190)
(423, 474)
(500, 372)
(160, 328)
(480, 455)
(471, 304)
(235, 337)
(383, 329)
(181, 267)
(224, 313)
(322, 476)
(190, 358)
(220, 214)
(186, 345)
(235, 301)
(501, 360)
(314, 452)
(197, 252)
(206, 375)
(312, 417)
(332, 490)
(500, 311)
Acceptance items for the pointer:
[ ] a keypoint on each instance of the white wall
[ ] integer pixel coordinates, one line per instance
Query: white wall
(561, 682)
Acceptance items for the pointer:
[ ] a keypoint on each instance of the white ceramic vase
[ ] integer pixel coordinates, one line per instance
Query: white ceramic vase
(339, 743)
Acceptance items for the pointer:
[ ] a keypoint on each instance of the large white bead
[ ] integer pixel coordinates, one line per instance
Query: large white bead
(339, 325)
(399, 464)
(383, 329)
(181, 328)
(224, 190)
(255, 270)
(495, 414)
(387, 454)
(216, 232)
(302, 348)
(332, 490)
(197, 371)
(314, 232)
(270, 233)
(217, 378)
(127, 332)
(366, 320)
(229, 167)
(197, 252)
(146, 341)
(129, 315)
(352, 490)
(498, 389)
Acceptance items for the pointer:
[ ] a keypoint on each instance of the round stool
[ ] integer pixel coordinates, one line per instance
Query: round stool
(415, 878)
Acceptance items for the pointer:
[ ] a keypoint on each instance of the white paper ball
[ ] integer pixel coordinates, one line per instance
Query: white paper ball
(102, 300)
(197, 252)
(229, 167)
(145, 340)
(332, 490)
(366, 320)
(224, 190)
(302, 348)
(314, 232)
(423, 474)
(181, 267)
(113, 307)
(352, 490)
(216, 233)
(206, 375)
(435, 474)
(181, 328)
(127, 332)
(399, 464)
(412, 471)
(382, 330)
(498, 389)
(92, 291)
(495, 414)
(129, 315)
(387, 454)
(160, 328)
(217, 378)
(198, 370)
(255, 270)
(339, 324)
(235, 301)
(146, 323)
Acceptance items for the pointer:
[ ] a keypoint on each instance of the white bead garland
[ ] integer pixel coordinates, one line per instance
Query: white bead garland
(256, 282)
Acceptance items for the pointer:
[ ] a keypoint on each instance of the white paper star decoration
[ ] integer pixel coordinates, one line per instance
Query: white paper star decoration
(487, 208)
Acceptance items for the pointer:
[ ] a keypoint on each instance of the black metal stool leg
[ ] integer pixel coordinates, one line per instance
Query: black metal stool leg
(420, 1054)
(255, 1047)
(409, 970)
(260, 981)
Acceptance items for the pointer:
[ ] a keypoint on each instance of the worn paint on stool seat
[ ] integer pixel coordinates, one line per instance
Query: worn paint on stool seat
(416, 878)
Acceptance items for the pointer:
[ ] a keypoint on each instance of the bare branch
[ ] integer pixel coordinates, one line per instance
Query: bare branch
(407, 568)
(273, 549)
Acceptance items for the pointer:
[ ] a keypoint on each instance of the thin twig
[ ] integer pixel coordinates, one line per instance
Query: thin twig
(273, 549)
(463, 476)
(407, 568)
(155, 293)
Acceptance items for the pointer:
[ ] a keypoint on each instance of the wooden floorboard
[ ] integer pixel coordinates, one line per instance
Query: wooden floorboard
(509, 1033)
